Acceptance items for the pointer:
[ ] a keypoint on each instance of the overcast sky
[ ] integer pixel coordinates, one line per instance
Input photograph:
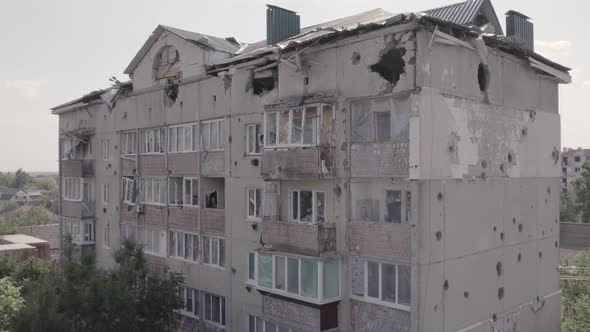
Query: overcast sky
(55, 51)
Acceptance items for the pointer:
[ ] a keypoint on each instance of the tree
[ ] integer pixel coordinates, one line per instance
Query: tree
(6, 180)
(578, 319)
(582, 190)
(11, 302)
(83, 298)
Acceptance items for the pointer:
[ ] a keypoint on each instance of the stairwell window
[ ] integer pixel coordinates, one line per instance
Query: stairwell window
(254, 139)
(105, 150)
(254, 207)
(307, 206)
(106, 193)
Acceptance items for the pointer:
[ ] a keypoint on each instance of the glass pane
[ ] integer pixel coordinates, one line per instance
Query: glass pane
(172, 140)
(187, 191)
(206, 250)
(283, 127)
(214, 251)
(251, 323)
(320, 206)
(180, 139)
(221, 252)
(373, 279)
(163, 191)
(257, 142)
(270, 326)
(188, 305)
(362, 126)
(195, 144)
(188, 246)
(216, 317)
(265, 270)
(295, 205)
(205, 136)
(331, 282)
(221, 134)
(388, 282)
(258, 203)
(280, 272)
(297, 126)
(251, 138)
(180, 245)
(271, 128)
(251, 267)
(215, 135)
(293, 275)
(188, 138)
(310, 125)
(195, 192)
(326, 130)
(403, 284)
(393, 206)
(383, 125)
(309, 278)
(178, 191)
(208, 306)
(251, 202)
(305, 206)
(156, 191)
(195, 247)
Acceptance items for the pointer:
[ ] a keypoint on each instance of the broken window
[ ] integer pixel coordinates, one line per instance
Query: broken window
(307, 206)
(373, 203)
(211, 200)
(254, 203)
(385, 282)
(381, 120)
(299, 126)
(128, 143)
(254, 139)
(68, 150)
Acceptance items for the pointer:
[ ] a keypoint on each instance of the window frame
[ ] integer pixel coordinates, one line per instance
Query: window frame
(142, 191)
(106, 194)
(313, 208)
(222, 314)
(174, 145)
(209, 260)
(319, 265)
(128, 142)
(128, 190)
(318, 128)
(195, 299)
(206, 145)
(155, 233)
(106, 237)
(68, 185)
(257, 132)
(173, 235)
(191, 179)
(258, 193)
(379, 301)
(151, 148)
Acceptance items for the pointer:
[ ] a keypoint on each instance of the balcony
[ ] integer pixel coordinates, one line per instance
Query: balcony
(380, 159)
(213, 222)
(78, 209)
(82, 232)
(380, 239)
(298, 163)
(299, 238)
(305, 316)
(77, 168)
(212, 164)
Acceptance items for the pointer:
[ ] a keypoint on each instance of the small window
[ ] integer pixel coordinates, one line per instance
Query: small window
(107, 237)
(105, 193)
(190, 301)
(564, 161)
(128, 187)
(214, 309)
(254, 139)
(251, 266)
(254, 198)
(168, 56)
(577, 159)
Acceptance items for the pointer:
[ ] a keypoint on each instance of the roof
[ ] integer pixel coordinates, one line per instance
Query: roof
(463, 13)
(22, 238)
(7, 194)
(216, 43)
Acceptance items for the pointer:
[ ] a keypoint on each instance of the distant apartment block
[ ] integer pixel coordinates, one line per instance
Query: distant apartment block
(571, 166)
(378, 172)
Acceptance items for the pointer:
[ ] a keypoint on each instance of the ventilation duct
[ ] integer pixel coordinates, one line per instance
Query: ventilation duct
(520, 29)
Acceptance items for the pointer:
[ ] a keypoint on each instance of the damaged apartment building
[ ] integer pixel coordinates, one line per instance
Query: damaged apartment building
(378, 172)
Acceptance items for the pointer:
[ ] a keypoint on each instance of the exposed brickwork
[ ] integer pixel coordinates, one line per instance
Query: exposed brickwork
(184, 216)
(49, 233)
(296, 163)
(153, 215)
(152, 165)
(155, 264)
(213, 222)
(183, 163)
(291, 313)
(372, 318)
(380, 159)
(299, 238)
(213, 163)
(379, 239)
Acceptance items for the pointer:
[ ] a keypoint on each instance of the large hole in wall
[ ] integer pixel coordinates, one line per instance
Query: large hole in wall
(483, 77)
(264, 81)
(391, 65)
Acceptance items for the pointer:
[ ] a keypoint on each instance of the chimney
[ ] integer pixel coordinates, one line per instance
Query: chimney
(520, 29)
(280, 24)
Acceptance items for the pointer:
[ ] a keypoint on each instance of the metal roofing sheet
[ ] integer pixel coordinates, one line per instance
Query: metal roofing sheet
(459, 13)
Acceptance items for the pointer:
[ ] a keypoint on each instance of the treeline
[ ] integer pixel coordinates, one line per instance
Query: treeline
(76, 296)
(23, 180)
(576, 208)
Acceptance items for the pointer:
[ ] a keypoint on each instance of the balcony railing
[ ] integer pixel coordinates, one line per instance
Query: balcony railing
(213, 221)
(82, 232)
(78, 168)
(299, 238)
(298, 163)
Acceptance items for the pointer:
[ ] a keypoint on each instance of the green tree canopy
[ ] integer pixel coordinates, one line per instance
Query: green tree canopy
(582, 190)
(11, 302)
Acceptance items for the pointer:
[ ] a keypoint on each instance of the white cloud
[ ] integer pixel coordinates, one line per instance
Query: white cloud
(26, 88)
(553, 47)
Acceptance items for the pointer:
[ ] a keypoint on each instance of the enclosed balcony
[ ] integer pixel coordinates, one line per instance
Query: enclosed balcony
(213, 203)
(82, 232)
